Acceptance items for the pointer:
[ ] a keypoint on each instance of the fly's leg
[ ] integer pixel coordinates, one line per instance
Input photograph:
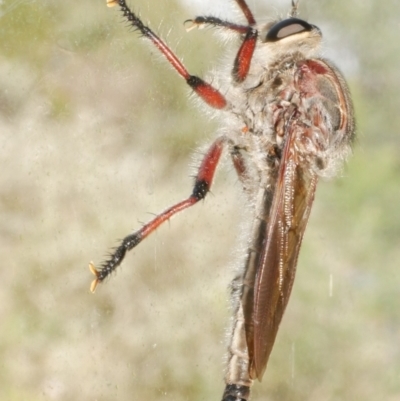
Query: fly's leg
(243, 58)
(241, 168)
(201, 21)
(246, 11)
(201, 187)
(239, 164)
(245, 53)
(241, 65)
(207, 92)
(226, 24)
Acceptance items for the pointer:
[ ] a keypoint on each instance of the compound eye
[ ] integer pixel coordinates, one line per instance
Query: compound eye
(287, 27)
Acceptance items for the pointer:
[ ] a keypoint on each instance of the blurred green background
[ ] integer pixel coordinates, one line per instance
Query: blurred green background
(97, 134)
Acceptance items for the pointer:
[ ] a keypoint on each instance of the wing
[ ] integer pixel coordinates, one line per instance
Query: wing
(291, 205)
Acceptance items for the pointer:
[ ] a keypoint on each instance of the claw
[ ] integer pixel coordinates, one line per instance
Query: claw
(112, 3)
(189, 25)
(193, 24)
(96, 281)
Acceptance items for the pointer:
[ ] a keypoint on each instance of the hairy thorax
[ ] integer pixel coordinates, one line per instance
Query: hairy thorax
(290, 89)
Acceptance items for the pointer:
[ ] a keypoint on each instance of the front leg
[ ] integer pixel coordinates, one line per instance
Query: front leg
(241, 65)
(212, 96)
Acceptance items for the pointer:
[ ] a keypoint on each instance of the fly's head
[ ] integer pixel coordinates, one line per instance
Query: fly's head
(288, 36)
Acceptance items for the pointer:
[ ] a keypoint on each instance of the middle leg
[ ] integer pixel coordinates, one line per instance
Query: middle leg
(201, 187)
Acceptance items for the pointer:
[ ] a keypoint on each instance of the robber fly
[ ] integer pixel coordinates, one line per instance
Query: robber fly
(287, 120)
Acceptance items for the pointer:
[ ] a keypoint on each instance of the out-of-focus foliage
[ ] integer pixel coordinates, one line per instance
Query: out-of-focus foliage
(97, 132)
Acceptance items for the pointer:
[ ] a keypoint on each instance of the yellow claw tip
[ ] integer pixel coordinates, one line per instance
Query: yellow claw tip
(112, 3)
(96, 281)
(93, 269)
(93, 286)
(189, 25)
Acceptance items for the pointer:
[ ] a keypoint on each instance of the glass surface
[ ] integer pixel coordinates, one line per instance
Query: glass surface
(98, 133)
